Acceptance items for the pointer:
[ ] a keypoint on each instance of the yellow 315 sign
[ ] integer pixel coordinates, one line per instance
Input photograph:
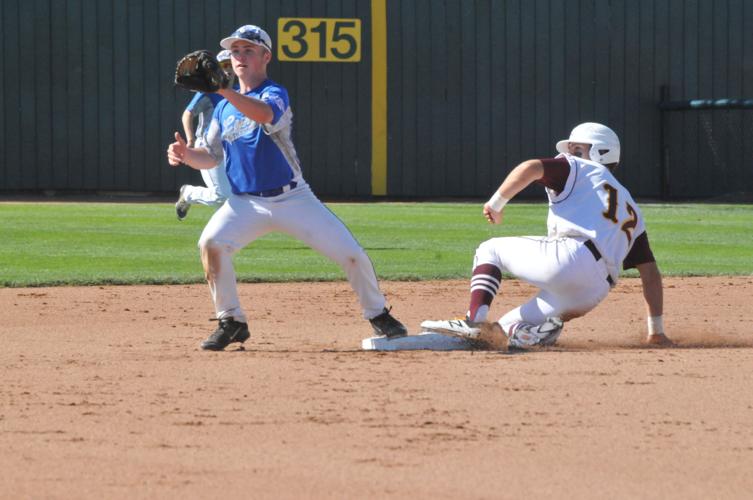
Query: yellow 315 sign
(319, 40)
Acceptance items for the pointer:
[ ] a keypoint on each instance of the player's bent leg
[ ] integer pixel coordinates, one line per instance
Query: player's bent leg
(569, 279)
(200, 195)
(485, 283)
(203, 196)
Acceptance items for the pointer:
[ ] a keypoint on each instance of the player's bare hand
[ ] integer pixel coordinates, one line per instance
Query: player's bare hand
(659, 339)
(491, 215)
(176, 152)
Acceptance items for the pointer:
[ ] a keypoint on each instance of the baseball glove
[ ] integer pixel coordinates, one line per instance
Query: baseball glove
(201, 72)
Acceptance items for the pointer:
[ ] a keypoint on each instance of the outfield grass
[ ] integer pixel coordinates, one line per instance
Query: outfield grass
(124, 243)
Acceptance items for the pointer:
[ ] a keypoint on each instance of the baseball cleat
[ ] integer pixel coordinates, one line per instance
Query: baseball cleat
(182, 206)
(227, 332)
(387, 326)
(545, 334)
(459, 327)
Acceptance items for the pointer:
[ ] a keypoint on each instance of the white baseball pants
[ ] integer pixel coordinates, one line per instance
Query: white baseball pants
(571, 281)
(217, 188)
(299, 213)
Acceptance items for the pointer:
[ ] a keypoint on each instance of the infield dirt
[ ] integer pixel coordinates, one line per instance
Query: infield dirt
(106, 394)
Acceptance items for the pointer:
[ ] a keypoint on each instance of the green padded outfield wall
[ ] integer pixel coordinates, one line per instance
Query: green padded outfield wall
(473, 87)
(477, 86)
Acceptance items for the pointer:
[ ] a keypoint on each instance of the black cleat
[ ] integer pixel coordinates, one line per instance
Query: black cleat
(387, 326)
(227, 332)
(182, 206)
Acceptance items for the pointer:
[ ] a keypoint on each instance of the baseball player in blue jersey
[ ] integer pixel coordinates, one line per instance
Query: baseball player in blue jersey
(217, 187)
(595, 228)
(251, 129)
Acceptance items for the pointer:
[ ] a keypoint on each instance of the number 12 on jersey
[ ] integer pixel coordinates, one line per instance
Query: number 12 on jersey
(319, 40)
(611, 212)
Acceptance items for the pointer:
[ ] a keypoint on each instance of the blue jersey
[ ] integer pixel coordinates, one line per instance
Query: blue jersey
(258, 157)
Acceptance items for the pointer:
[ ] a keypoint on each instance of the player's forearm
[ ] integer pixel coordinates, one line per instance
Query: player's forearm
(187, 120)
(653, 291)
(254, 108)
(517, 180)
(199, 159)
(653, 294)
(520, 177)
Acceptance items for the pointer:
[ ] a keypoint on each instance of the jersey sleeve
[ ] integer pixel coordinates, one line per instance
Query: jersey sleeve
(194, 101)
(640, 253)
(556, 172)
(277, 99)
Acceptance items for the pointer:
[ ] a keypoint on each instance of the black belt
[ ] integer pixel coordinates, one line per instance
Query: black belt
(269, 193)
(597, 255)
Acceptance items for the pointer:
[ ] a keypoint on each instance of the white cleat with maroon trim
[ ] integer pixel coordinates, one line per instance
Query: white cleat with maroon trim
(459, 327)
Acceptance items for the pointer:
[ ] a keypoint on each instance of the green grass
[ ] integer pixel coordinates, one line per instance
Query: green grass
(124, 243)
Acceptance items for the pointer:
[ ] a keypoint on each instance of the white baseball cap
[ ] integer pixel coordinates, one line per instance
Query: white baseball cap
(248, 33)
(223, 55)
(605, 145)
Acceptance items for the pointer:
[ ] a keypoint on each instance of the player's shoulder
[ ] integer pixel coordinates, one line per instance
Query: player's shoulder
(273, 92)
(270, 85)
(195, 100)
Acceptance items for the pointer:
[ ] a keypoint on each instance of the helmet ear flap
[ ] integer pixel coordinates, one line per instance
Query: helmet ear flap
(601, 153)
(597, 152)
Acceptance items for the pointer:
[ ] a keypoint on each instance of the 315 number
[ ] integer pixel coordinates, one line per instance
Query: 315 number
(319, 40)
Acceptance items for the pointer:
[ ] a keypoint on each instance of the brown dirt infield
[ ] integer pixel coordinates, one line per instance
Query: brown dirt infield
(105, 394)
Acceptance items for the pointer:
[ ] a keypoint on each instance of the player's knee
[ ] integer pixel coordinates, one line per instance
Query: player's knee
(206, 244)
(210, 244)
(485, 253)
(354, 258)
(213, 253)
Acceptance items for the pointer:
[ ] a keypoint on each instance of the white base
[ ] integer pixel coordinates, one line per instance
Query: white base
(425, 340)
